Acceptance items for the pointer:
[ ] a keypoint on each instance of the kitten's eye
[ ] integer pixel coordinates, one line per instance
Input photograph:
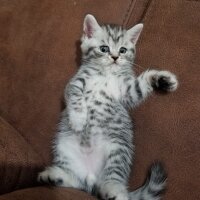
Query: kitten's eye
(104, 49)
(122, 50)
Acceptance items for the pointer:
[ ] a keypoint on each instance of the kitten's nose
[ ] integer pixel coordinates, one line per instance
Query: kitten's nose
(114, 57)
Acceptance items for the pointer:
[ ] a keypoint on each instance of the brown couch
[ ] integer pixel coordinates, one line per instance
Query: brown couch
(39, 52)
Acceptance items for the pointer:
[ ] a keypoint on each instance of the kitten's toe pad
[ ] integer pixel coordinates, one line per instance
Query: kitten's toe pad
(165, 81)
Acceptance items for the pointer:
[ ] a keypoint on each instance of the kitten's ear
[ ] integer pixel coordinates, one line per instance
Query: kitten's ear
(90, 25)
(134, 33)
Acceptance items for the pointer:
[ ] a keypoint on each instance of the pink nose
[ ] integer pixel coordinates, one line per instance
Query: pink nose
(115, 58)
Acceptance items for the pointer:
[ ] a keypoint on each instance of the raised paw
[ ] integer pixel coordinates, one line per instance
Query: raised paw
(113, 191)
(164, 81)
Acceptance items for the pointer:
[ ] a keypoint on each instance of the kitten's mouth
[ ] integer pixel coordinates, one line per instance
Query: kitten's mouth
(115, 62)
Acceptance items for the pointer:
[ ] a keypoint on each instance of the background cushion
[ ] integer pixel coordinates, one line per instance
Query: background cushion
(167, 126)
(50, 193)
(19, 162)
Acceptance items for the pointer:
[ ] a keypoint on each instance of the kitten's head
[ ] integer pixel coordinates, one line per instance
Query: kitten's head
(108, 45)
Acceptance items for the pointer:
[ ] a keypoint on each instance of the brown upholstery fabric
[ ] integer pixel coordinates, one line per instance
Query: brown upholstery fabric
(167, 126)
(47, 193)
(19, 163)
(39, 53)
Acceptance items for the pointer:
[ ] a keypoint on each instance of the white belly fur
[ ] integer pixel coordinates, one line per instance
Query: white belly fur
(87, 162)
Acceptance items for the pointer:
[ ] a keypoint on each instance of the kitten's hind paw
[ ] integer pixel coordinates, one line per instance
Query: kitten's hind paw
(164, 81)
(113, 191)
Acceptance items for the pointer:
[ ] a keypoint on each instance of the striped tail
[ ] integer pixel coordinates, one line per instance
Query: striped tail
(154, 185)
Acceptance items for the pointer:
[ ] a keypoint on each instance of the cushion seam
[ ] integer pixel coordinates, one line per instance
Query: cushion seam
(128, 12)
(148, 10)
(132, 5)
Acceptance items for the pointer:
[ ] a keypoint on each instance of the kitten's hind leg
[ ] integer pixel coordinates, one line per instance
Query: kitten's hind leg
(55, 175)
(113, 181)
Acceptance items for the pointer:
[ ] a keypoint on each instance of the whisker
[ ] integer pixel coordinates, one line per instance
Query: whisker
(138, 66)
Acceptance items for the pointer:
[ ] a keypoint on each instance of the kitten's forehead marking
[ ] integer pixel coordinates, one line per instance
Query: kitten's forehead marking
(114, 33)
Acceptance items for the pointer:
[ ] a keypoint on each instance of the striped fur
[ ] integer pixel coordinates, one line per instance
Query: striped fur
(93, 149)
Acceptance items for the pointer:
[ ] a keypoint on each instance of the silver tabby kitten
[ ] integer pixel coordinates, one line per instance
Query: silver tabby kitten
(93, 149)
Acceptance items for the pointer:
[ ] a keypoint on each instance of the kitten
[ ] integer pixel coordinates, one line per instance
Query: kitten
(93, 149)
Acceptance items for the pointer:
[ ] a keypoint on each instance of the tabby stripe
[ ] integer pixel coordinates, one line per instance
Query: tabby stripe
(108, 110)
(132, 50)
(117, 152)
(113, 179)
(77, 95)
(138, 89)
(117, 136)
(76, 87)
(128, 88)
(110, 106)
(86, 72)
(61, 164)
(131, 102)
(97, 102)
(89, 91)
(98, 55)
(82, 81)
(89, 50)
(155, 193)
(113, 170)
(92, 68)
(118, 38)
(105, 95)
(123, 170)
(121, 143)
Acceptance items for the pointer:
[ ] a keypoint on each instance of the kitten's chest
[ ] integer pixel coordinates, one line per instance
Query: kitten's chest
(109, 84)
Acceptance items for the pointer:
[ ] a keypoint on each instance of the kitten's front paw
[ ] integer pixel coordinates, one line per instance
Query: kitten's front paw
(165, 81)
(77, 121)
(113, 191)
(51, 176)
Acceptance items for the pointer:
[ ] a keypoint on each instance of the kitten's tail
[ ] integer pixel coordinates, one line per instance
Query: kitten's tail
(154, 185)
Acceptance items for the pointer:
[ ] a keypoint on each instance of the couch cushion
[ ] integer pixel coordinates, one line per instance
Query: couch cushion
(39, 52)
(47, 193)
(18, 160)
(167, 126)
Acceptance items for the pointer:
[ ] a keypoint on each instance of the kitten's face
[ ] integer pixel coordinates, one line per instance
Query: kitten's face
(109, 45)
